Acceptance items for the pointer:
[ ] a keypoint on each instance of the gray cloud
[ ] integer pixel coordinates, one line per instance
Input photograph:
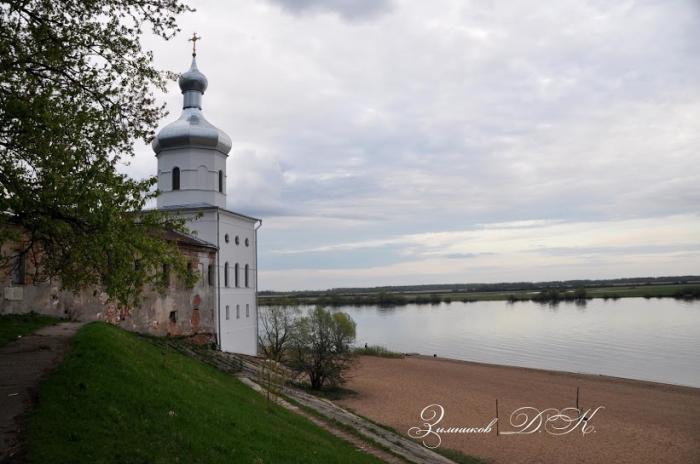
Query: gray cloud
(352, 10)
(465, 255)
(619, 250)
(443, 116)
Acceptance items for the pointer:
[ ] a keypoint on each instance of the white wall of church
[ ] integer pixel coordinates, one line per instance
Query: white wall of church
(237, 326)
(199, 177)
(205, 226)
(239, 323)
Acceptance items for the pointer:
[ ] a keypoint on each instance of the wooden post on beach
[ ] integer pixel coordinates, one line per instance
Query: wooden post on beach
(496, 416)
(578, 409)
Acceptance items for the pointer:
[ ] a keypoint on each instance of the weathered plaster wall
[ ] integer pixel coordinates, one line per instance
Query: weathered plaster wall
(176, 311)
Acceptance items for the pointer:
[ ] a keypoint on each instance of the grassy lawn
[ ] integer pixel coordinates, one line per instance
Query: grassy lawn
(118, 398)
(15, 325)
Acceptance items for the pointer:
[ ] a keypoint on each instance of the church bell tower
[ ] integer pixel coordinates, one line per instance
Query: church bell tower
(191, 151)
(192, 155)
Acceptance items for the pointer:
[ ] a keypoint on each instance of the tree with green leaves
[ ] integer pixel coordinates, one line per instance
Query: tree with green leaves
(76, 93)
(277, 325)
(321, 346)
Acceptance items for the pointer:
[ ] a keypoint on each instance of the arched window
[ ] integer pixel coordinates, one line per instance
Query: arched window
(246, 276)
(176, 178)
(221, 181)
(226, 274)
(235, 274)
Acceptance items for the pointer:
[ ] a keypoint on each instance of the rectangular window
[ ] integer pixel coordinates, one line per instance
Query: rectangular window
(18, 270)
(238, 311)
(210, 274)
(247, 310)
(228, 313)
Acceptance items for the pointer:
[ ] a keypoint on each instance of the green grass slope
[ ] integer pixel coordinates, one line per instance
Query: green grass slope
(118, 398)
(15, 325)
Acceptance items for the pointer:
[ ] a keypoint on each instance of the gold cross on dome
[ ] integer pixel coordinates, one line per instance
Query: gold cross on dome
(194, 40)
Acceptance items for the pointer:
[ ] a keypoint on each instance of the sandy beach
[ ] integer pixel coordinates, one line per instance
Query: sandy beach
(642, 422)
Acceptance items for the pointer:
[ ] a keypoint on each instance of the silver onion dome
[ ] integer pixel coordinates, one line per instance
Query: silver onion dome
(193, 79)
(191, 129)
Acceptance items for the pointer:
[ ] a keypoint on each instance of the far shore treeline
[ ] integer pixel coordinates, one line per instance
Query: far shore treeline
(681, 287)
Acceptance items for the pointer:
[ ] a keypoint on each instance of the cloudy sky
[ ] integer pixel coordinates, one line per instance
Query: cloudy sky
(403, 142)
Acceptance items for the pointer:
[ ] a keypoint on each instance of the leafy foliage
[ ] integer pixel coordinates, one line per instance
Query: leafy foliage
(277, 324)
(76, 93)
(321, 348)
(689, 293)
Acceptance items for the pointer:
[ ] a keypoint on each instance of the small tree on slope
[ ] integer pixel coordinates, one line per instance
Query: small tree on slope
(320, 347)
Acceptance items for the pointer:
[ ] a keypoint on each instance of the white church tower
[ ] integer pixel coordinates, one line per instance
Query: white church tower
(192, 155)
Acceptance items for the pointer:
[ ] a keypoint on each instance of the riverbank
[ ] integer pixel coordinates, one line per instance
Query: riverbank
(642, 421)
(545, 295)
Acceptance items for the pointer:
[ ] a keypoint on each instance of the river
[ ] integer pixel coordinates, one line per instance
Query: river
(646, 339)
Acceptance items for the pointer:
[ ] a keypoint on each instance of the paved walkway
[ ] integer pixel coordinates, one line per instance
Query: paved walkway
(23, 363)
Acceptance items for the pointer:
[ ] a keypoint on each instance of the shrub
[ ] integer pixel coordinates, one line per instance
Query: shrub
(378, 351)
(689, 293)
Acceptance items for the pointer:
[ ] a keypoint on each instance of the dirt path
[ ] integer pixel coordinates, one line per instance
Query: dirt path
(23, 364)
(641, 422)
